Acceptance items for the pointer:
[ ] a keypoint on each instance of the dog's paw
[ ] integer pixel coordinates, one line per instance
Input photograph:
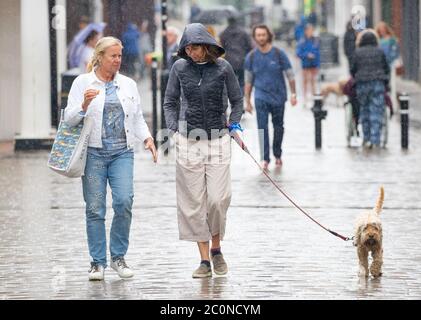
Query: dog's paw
(376, 274)
(363, 272)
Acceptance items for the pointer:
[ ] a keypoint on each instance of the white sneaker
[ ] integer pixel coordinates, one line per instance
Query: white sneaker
(122, 269)
(356, 141)
(96, 273)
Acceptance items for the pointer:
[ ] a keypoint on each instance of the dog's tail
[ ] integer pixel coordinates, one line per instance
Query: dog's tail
(380, 200)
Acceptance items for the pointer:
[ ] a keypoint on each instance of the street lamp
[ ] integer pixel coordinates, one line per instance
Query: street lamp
(165, 72)
(164, 18)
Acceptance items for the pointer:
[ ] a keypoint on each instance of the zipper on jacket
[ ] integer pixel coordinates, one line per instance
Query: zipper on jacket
(205, 125)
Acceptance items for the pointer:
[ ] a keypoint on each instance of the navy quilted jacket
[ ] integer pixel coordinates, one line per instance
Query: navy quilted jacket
(202, 90)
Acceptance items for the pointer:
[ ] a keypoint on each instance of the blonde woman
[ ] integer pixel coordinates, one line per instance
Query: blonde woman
(388, 42)
(113, 101)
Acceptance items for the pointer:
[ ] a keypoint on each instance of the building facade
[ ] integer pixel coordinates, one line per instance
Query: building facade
(25, 93)
(34, 37)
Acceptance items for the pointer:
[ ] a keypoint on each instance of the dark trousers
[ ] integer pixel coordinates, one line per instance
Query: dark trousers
(263, 109)
(240, 76)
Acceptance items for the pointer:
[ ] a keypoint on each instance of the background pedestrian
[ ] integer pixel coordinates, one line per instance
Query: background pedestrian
(308, 50)
(266, 68)
(237, 43)
(391, 48)
(130, 40)
(173, 35)
(88, 50)
(370, 71)
(350, 38)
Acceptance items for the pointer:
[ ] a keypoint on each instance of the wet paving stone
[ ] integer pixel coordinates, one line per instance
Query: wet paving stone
(273, 251)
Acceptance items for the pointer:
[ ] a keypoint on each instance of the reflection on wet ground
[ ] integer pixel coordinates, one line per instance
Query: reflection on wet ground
(273, 251)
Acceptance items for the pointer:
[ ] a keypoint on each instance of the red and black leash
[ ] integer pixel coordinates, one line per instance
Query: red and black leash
(242, 145)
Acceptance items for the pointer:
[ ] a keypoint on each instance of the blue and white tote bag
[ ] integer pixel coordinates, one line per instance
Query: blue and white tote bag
(68, 154)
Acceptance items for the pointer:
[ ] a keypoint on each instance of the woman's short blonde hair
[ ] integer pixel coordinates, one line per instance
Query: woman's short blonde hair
(102, 45)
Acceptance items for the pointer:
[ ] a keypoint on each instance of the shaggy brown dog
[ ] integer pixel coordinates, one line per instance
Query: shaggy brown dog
(369, 238)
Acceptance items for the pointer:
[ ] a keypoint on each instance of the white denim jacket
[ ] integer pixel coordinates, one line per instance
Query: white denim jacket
(128, 94)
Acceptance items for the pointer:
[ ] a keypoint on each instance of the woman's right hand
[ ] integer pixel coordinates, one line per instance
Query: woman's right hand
(150, 145)
(89, 95)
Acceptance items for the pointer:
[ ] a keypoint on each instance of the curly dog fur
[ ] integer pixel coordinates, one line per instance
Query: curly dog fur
(369, 238)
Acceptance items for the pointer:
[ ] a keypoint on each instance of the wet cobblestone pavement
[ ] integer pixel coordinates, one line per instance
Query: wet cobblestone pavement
(273, 251)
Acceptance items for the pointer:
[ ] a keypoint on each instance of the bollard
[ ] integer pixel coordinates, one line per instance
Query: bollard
(404, 111)
(154, 70)
(319, 115)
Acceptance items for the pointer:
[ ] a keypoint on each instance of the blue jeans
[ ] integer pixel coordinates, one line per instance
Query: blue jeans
(117, 169)
(262, 110)
(372, 107)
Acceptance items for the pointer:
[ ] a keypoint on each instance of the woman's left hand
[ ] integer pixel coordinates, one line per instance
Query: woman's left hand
(150, 145)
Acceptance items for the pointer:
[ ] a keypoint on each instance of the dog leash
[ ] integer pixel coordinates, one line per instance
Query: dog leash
(240, 142)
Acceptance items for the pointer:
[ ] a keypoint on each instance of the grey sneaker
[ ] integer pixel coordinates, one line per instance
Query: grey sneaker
(122, 268)
(203, 271)
(219, 265)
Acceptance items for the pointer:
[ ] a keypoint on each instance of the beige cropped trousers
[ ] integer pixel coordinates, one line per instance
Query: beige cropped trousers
(203, 187)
